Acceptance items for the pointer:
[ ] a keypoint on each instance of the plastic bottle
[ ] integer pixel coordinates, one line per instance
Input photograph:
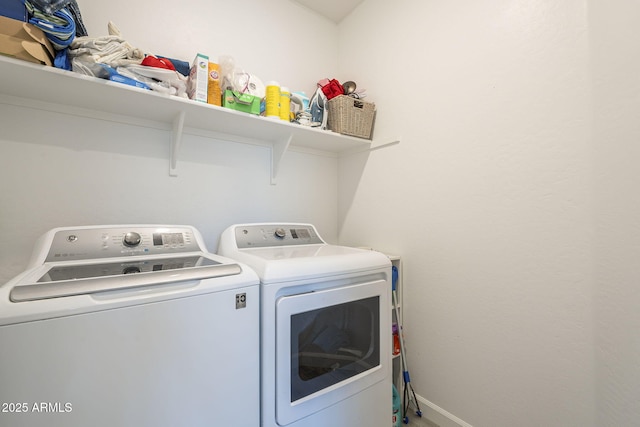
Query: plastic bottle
(396, 339)
(285, 104)
(396, 416)
(272, 103)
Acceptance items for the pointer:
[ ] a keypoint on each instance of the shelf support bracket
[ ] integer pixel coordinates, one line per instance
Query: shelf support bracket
(176, 141)
(278, 150)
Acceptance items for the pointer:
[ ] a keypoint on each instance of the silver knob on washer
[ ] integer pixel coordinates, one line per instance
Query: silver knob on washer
(132, 239)
(280, 233)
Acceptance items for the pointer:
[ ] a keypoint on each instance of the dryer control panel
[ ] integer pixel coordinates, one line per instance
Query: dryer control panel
(71, 244)
(269, 235)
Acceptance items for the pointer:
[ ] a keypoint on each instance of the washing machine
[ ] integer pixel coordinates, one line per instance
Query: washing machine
(325, 326)
(129, 325)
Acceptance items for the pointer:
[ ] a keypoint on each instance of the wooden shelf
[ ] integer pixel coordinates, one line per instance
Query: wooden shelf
(49, 88)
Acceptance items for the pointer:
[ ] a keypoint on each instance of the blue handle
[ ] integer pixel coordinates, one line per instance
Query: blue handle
(394, 277)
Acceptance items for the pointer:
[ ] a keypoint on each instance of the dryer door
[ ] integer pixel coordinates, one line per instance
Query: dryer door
(329, 346)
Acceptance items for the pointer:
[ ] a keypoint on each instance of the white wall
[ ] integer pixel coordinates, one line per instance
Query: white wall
(488, 199)
(61, 170)
(511, 197)
(615, 63)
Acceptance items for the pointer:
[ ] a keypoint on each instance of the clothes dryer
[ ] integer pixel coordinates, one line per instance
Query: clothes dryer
(325, 326)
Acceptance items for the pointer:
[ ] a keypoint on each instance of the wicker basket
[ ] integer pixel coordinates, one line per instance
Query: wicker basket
(350, 116)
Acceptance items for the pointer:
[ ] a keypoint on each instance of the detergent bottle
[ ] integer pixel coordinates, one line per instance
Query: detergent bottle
(285, 104)
(272, 109)
(396, 420)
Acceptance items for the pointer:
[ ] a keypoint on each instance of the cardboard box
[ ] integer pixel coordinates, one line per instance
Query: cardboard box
(214, 89)
(197, 83)
(241, 102)
(24, 41)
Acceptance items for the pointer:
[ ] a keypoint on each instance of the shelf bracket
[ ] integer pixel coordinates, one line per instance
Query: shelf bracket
(278, 149)
(176, 141)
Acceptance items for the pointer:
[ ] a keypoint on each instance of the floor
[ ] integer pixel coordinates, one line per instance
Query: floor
(415, 421)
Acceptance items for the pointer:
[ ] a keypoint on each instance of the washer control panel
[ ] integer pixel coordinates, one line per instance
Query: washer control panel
(94, 243)
(269, 235)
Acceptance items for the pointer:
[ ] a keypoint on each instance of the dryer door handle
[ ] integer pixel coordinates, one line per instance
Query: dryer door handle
(66, 288)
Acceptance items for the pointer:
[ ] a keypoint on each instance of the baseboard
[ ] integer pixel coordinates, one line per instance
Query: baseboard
(443, 418)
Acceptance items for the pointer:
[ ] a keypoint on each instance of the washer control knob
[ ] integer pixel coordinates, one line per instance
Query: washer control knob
(132, 239)
(280, 233)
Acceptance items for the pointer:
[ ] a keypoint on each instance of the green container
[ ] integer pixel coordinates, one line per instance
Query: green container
(241, 102)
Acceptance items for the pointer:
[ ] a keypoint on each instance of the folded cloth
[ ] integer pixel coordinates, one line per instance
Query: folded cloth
(90, 55)
(172, 80)
(153, 84)
(59, 27)
(112, 50)
(50, 6)
(74, 10)
(62, 60)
